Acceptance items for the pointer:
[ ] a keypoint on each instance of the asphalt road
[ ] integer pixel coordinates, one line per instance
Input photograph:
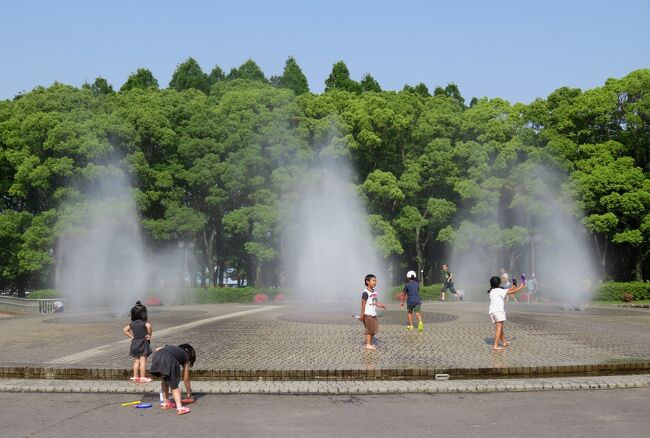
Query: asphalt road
(591, 413)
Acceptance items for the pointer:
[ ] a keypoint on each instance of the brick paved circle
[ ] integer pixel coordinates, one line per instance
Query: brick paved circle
(338, 318)
(244, 341)
(110, 317)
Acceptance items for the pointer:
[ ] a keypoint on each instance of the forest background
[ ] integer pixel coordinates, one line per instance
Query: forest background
(213, 157)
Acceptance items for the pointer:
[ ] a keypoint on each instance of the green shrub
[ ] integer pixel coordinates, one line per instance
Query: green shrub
(232, 294)
(430, 292)
(615, 291)
(43, 294)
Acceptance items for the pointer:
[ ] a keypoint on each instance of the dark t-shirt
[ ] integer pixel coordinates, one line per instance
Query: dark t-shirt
(364, 296)
(412, 291)
(179, 354)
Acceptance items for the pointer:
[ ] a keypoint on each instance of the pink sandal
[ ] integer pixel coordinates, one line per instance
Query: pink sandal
(182, 411)
(168, 405)
(145, 379)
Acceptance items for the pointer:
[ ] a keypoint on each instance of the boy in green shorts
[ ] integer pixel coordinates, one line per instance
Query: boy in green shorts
(411, 295)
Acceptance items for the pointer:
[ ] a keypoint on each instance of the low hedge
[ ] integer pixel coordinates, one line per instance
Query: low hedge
(211, 295)
(614, 291)
(428, 293)
(44, 294)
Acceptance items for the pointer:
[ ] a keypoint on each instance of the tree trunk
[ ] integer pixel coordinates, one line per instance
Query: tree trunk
(209, 258)
(638, 264)
(418, 256)
(221, 269)
(258, 274)
(250, 279)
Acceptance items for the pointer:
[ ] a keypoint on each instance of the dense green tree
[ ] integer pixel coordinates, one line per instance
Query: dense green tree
(339, 79)
(451, 91)
(142, 78)
(219, 170)
(420, 89)
(248, 70)
(100, 86)
(190, 75)
(368, 83)
(292, 78)
(216, 75)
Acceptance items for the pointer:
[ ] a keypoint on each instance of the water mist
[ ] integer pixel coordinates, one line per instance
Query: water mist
(555, 249)
(329, 248)
(100, 255)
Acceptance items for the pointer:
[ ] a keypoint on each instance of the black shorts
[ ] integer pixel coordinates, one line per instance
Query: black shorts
(410, 308)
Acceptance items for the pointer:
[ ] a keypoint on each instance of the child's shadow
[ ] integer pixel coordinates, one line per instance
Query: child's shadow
(490, 341)
(151, 397)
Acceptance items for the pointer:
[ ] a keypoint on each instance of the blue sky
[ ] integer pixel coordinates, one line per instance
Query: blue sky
(518, 50)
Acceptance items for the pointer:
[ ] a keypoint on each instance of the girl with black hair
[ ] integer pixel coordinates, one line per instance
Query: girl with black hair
(167, 362)
(140, 331)
(497, 310)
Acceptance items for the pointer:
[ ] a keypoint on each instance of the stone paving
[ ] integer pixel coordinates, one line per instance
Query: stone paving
(326, 337)
(150, 391)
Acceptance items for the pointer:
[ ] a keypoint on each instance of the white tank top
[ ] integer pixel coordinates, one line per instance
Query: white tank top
(371, 303)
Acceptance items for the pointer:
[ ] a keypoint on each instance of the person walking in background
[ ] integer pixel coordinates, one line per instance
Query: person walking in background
(531, 286)
(448, 284)
(411, 294)
(507, 284)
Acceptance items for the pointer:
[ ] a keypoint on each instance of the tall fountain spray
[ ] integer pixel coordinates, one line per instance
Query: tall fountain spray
(100, 254)
(329, 248)
(555, 248)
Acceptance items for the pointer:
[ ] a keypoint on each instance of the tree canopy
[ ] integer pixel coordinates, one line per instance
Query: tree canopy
(212, 157)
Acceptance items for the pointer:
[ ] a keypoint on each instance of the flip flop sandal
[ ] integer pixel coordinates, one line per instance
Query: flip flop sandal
(134, 379)
(182, 411)
(145, 379)
(168, 405)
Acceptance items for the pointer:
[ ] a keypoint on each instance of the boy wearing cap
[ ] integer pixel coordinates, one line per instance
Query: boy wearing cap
(411, 295)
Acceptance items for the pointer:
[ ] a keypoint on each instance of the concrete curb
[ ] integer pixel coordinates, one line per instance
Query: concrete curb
(382, 374)
(334, 387)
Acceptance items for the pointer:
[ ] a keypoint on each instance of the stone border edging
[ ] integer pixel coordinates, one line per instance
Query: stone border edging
(385, 374)
(335, 387)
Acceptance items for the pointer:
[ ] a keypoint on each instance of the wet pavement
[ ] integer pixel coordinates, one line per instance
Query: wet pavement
(326, 337)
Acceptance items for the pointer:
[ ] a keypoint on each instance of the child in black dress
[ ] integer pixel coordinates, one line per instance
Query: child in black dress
(167, 362)
(140, 332)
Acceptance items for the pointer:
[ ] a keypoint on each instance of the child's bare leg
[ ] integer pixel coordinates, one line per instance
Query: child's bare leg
(498, 327)
(419, 316)
(136, 367)
(143, 366)
(503, 335)
(164, 388)
(369, 345)
(409, 316)
(442, 296)
(176, 393)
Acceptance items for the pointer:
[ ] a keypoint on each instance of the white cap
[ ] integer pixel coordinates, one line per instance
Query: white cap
(410, 274)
